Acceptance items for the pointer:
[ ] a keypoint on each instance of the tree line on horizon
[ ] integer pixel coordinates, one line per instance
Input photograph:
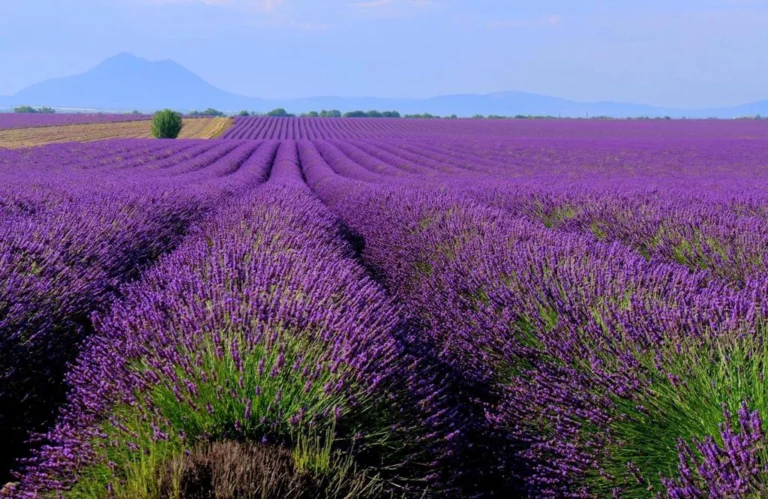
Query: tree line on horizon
(335, 113)
(32, 110)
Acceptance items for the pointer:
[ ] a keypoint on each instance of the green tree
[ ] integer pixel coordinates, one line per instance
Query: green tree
(280, 112)
(210, 112)
(25, 109)
(243, 113)
(213, 112)
(166, 124)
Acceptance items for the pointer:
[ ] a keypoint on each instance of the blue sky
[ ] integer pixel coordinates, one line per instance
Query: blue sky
(687, 53)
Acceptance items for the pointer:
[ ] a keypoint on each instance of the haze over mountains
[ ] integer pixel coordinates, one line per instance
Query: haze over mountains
(125, 82)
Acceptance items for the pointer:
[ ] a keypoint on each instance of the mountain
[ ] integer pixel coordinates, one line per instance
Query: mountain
(125, 82)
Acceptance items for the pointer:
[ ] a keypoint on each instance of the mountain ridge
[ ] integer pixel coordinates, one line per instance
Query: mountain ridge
(125, 82)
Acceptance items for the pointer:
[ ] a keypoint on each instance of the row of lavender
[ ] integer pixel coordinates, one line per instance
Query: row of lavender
(697, 203)
(32, 120)
(267, 127)
(617, 369)
(77, 221)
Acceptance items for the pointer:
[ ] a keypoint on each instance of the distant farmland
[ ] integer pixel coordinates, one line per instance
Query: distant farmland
(194, 128)
(30, 120)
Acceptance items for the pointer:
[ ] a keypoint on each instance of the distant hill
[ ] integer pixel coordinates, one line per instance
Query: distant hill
(125, 82)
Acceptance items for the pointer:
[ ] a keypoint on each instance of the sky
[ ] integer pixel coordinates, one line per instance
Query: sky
(672, 53)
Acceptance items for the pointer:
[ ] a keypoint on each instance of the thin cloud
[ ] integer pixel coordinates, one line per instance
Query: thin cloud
(374, 4)
(266, 5)
(541, 22)
(381, 4)
(270, 4)
(287, 23)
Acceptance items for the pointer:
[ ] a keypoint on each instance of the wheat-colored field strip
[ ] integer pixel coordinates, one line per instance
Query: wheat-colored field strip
(194, 128)
(205, 128)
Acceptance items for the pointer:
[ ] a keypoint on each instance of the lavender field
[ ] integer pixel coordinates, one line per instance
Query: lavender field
(388, 308)
(11, 121)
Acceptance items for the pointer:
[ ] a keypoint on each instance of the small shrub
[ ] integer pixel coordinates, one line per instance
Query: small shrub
(166, 124)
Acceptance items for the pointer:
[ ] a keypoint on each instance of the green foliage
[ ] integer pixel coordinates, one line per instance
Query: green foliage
(210, 112)
(333, 113)
(30, 109)
(478, 117)
(690, 382)
(136, 112)
(243, 113)
(209, 414)
(259, 398)
(280, 112)
(422, 116)
(312, 453)
(363, 114)
(166, 124)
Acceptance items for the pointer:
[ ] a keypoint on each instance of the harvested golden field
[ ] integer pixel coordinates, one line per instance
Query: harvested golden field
(205, 128)
(194, 128)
